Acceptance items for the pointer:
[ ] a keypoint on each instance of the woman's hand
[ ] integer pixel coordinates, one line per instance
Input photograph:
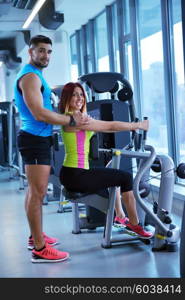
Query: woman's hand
(81, 118)
(144, 125)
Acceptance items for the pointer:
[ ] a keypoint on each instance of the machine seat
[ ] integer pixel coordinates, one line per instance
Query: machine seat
(70, 195)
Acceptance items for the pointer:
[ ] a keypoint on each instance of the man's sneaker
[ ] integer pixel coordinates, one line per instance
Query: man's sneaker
(48, 254)
(49, 240)
(139, 230)
(120, 222)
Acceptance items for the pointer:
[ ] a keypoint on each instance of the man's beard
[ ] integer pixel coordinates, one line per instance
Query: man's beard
(40, 65)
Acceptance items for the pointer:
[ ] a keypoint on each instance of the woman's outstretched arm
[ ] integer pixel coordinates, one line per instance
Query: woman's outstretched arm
(111, 126)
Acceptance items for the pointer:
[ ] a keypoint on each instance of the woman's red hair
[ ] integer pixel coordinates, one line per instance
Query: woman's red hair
(67, 93)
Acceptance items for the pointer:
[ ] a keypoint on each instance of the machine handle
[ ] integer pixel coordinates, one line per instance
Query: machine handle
(145, 131)
(133, 131)
(139, 141)
(133, 135)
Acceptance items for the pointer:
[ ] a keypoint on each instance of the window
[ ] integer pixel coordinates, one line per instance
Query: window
(89, 55)
(152, 73)
(179, 77)
(115, 38)
(2, 85)
(74, 61)
(126, 17)
(101, 43)
(101, 48)
(128, 62)
(127, 43)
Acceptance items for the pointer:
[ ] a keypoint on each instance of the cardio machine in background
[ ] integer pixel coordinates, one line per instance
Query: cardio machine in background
(10, 158)
(118, 150)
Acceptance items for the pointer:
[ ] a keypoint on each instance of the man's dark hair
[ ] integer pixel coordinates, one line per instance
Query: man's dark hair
(35, 40)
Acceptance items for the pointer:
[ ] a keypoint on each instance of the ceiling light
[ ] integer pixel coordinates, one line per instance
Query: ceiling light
(35, 10)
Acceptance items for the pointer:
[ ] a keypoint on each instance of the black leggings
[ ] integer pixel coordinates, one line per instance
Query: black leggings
(95, 179)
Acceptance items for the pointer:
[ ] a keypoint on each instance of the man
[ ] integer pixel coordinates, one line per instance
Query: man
(33, 100)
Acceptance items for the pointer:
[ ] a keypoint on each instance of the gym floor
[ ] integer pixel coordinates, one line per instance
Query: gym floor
(87, 258)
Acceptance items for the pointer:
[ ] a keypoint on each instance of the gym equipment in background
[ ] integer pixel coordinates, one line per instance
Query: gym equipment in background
(9, 126)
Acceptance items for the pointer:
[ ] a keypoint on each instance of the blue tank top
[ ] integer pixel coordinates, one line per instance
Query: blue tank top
(29, 124)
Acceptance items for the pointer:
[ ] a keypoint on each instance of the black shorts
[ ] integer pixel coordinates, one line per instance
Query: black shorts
(35, 150)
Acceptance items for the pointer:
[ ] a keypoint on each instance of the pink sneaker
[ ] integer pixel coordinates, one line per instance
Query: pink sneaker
(49, 240)
(48, 254)
(139, 230)
(119, 222)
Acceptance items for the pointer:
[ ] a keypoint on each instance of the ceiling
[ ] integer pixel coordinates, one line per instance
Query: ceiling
(76, 13)
(12, 37)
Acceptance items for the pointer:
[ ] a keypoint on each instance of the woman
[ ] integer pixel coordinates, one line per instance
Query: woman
(75, 174)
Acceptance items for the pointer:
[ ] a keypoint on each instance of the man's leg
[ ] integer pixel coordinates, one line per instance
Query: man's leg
(37, 176)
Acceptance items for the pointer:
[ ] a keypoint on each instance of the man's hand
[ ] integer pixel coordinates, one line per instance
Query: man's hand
(81, 119)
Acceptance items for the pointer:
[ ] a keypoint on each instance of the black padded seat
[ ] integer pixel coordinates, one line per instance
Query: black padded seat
(99, 200)
(73, 195)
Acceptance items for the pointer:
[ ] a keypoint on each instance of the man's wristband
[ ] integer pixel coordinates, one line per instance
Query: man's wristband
(72, 121)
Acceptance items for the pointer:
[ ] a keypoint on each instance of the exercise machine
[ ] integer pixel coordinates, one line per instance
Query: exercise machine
(166, 233)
